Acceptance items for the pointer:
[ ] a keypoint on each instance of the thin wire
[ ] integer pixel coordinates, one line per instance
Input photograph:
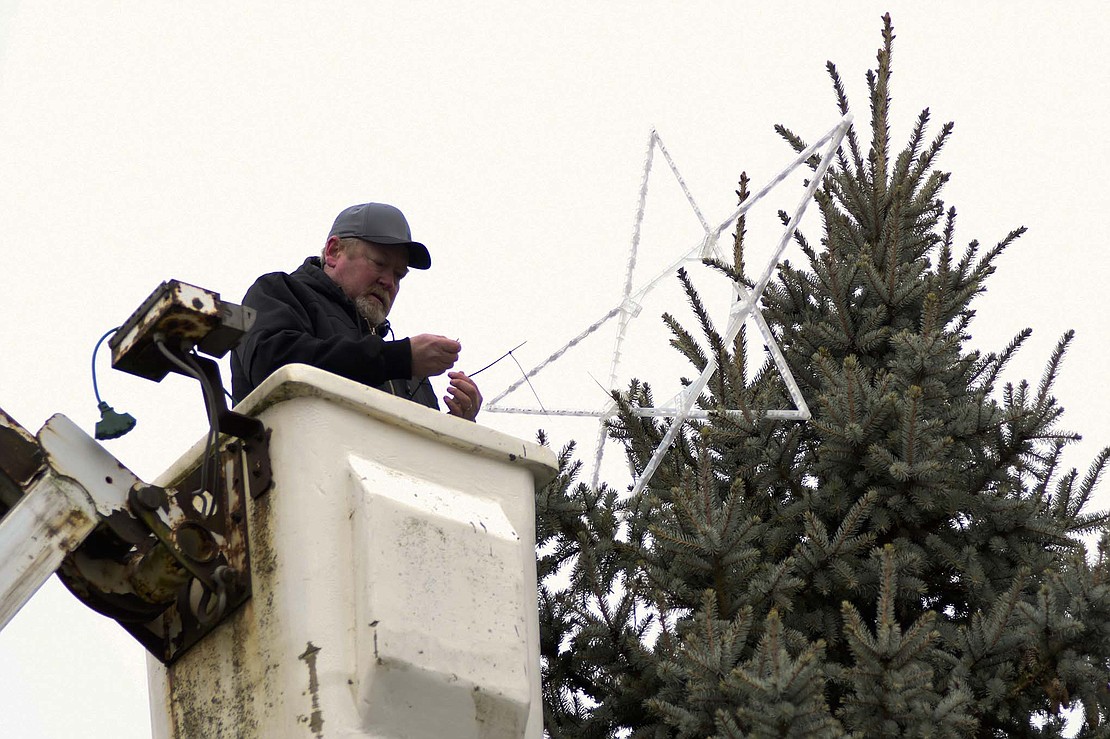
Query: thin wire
(416, 389)
(529, 383)
(608, 393)
(602, 432)
(556, 354)
(475, 374)
(96, 389)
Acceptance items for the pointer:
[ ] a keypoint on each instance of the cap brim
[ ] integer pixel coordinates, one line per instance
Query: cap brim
(419, 258)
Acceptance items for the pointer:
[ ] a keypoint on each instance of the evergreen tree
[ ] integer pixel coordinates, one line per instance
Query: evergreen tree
(910, 562)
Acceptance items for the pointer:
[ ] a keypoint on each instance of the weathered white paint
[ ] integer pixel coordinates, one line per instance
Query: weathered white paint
(57, 511)
(51, 519)
(74, 454)
(394, 579)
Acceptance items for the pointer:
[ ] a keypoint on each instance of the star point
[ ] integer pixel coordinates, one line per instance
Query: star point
(744, 306)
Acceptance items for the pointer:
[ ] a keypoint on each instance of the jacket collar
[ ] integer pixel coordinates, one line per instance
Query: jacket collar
(313, 272)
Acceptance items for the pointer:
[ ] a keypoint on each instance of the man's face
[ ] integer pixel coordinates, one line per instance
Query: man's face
(369, 274)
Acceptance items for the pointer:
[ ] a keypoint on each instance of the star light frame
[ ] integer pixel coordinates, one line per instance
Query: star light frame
(744, 305)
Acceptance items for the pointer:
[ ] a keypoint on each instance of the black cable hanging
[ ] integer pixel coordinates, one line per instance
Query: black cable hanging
(111, 425)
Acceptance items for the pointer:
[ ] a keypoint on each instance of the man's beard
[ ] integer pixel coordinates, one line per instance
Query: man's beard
(370, 309)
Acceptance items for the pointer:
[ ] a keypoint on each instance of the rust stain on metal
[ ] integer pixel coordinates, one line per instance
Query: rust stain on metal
(135, 569)
(185, 324)
(169, 310)
(316, 720)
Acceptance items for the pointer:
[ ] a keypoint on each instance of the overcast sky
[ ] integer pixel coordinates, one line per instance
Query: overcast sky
(144, 141)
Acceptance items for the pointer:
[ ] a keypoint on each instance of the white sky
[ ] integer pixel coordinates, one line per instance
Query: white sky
(142, 141)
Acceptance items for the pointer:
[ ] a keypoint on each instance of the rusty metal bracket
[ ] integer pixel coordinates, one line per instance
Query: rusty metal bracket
(170, 564)
(253, 433)
(185, 314)
(188, 574)
(205, 533)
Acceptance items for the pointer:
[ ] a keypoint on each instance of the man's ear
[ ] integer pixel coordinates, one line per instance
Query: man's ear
(332, 249)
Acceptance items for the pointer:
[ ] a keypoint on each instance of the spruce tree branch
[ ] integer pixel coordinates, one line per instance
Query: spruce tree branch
(901, 176)
(1090, 482)
(842, 106)
(925, 162)
(1048, 379)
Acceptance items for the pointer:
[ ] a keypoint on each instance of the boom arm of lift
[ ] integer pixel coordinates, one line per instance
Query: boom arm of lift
(167, 563)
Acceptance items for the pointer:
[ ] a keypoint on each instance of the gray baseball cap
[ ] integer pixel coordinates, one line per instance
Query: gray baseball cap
(379, 223)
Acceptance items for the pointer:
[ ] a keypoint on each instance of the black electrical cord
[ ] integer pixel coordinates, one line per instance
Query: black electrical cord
(192, 370)
(112, 424)
(475, 374)
(96, 389)
(412, 394)
(209, 391)
(198, 376)
(211, 449)
(508, 353)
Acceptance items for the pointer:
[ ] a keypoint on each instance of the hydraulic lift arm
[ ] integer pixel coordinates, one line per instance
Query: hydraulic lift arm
(47, 522)
(167, 563)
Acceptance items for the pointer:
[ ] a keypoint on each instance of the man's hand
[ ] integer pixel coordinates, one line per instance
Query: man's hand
(433, 355)
(463, 398)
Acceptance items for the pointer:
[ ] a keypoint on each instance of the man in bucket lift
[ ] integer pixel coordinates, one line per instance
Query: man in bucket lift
(331, 313)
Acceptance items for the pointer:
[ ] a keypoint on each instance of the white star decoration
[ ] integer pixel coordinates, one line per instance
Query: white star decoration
(744, 305)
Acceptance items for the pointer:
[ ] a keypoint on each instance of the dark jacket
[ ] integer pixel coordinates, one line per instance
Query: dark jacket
(305, 317)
